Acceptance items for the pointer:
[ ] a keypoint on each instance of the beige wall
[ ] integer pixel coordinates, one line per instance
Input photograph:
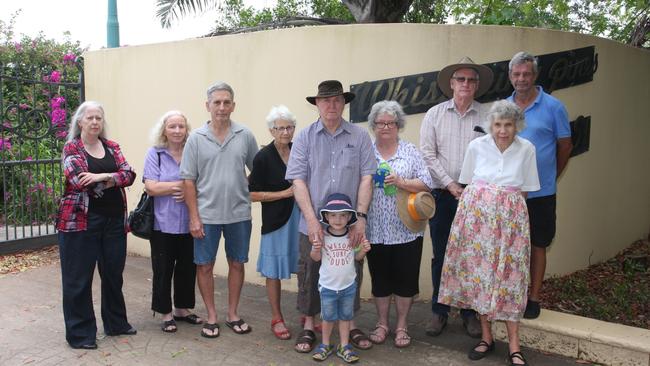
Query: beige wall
(603, 198)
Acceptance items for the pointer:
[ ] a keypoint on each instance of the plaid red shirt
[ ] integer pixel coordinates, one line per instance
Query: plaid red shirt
(73, 209)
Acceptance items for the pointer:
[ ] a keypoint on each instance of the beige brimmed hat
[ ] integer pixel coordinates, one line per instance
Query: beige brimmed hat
(485, 76)
(415, 209)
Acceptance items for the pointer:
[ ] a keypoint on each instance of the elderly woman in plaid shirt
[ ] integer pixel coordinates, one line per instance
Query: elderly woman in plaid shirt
(92, 230)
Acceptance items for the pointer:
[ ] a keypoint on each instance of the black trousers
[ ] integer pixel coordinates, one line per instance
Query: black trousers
(172, 256)
(102, 243)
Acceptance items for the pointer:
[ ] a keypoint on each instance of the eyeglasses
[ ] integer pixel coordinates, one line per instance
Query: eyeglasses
(384, 125)
(287, 129)
(462, 79)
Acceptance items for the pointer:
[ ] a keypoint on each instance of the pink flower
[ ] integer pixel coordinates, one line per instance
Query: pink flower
(29, 158)
(69, 58)
(18, 46)
(55, 77)
(58, 117)
(63, 134)
(5, 144)
(23, 106)
(56, 102)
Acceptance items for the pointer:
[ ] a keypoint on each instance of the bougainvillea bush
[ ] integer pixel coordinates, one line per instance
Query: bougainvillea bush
(39, 90)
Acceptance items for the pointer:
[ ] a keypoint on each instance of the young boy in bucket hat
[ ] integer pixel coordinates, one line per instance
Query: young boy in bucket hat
(337, 284)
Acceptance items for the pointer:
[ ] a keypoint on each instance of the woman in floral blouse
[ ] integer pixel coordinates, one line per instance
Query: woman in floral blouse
(92, 231)
(394, 261)
(487, 259)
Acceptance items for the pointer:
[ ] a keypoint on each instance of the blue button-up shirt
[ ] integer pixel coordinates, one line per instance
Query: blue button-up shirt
(330, 163)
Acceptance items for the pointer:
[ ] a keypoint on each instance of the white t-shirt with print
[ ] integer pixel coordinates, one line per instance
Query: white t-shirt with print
(337, 263)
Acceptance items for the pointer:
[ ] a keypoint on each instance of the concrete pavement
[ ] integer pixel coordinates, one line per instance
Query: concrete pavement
(32, 330)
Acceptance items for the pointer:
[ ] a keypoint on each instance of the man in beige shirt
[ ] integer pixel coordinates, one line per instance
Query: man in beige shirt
(446, 131)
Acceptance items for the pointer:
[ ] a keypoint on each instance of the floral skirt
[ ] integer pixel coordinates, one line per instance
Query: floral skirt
(486, 264)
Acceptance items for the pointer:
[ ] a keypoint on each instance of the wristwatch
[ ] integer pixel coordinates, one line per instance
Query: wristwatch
(362, 214)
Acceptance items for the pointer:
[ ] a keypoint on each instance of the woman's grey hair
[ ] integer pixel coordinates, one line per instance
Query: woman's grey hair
(157, 134)
(503, 109)
(521, 58)
(74, 130)
(279, 112)
(220, 85)
(390, 107)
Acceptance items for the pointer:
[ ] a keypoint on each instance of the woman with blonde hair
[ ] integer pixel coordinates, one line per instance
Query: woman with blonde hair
(172, 247)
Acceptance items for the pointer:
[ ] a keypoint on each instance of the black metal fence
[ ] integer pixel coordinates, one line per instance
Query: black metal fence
(35, 107)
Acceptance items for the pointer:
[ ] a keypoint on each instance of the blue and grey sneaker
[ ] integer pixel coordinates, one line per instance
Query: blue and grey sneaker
(347, 354)
(322, 352)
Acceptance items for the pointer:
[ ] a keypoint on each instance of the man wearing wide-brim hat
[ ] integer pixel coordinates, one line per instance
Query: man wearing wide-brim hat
(446, 131)
(330, 155)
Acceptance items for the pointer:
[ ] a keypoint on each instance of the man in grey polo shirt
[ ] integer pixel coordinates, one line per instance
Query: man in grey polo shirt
(217, 198)
(329, 156)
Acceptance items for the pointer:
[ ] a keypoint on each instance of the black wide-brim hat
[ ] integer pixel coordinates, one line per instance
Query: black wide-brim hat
(485, 76)
(331, 88)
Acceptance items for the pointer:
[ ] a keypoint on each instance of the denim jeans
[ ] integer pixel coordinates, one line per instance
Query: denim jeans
(439, 226)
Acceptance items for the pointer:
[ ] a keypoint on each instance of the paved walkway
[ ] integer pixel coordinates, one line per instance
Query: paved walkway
(32, 331)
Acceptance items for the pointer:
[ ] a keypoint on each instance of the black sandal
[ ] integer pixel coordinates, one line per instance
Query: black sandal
(477, 355)
(167, 326)
(211, 328)
(308, 337)
(189, 318)
(517, 355)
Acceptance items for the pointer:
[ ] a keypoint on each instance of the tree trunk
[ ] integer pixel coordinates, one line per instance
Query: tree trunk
(378, 11)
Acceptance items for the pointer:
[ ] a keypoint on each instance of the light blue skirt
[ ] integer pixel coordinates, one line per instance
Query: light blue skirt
(279, 254)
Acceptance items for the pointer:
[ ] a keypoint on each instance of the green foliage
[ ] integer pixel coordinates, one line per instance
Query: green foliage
(613, 19)
(38, 85)
(235, 14)
(172, 10)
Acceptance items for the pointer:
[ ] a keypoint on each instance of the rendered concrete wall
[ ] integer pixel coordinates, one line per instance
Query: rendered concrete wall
(603, 198)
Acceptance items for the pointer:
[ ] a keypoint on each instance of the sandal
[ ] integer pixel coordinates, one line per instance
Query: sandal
(347, 354)
(169, 326)
(239, 324)
(357, 336)
(517, 355)
(379, 334)
(280, 334)
(307, 337)
(475, 354)
(402, 338)
(210, 327)
(323, 351)
(189, 318)
(317, 327)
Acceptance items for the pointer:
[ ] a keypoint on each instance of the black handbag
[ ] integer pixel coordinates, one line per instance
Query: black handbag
(141, 219)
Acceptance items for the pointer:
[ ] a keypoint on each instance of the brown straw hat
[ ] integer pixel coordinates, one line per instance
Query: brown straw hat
(331, 88)
(415, 209)
(485, 76)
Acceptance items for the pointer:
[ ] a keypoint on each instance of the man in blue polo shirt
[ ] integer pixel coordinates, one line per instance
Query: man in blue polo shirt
(547, 127)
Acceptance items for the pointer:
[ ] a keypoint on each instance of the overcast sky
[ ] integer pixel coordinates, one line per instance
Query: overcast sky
(86, 21)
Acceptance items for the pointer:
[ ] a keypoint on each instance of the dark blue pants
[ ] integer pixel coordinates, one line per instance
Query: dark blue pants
(439, 226)
(102, 243)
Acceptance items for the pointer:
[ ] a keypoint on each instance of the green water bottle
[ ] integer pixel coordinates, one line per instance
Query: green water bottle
(389, 189)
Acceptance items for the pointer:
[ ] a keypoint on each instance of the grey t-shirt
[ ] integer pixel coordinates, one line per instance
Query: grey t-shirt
(219, 173)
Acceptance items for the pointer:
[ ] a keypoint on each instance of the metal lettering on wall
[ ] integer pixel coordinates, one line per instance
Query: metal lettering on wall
(417, 93)
(580, 132)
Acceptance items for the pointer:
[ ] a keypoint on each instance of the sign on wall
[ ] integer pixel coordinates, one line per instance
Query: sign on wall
(419, 92)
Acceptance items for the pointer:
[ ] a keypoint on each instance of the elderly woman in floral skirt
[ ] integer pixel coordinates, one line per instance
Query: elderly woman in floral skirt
(487, 259)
